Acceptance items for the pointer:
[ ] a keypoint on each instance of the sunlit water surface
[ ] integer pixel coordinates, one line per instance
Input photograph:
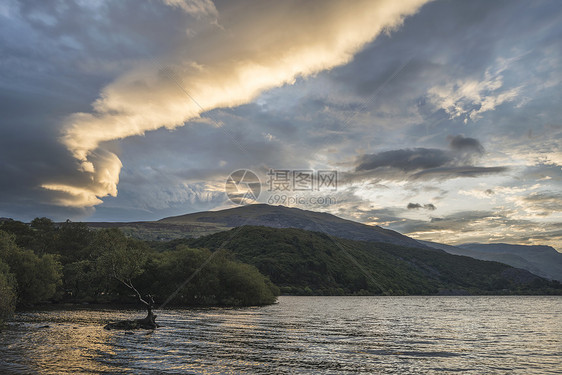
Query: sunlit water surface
(299, 335)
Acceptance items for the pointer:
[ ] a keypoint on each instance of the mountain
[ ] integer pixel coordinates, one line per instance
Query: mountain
(287, 217)
(540, 260)
(544, 261)
(305, 262)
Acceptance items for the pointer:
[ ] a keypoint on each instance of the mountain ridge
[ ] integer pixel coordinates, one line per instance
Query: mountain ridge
(307, 262)
(542, 260)
(203, 223)
(292, 217)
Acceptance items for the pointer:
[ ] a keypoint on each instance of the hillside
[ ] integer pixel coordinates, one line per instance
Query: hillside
(543, 261)
(287, 217)
(304, 262)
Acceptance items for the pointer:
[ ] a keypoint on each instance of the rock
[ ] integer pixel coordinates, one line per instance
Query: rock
(146, 323)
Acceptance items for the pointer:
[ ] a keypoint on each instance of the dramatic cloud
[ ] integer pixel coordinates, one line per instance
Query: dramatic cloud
(242, 56)
(163, 101)
(405, 160)
(426, 163)
(483, 227)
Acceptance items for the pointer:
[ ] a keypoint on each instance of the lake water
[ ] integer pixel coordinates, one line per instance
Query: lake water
(333, 335)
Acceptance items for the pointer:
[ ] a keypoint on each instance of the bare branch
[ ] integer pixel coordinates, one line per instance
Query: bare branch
(129, 284)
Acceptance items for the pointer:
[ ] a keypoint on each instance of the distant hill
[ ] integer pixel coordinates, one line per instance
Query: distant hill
(544, 261)
(287, 217)
(540, 260)
(156, 231)
(305, 262)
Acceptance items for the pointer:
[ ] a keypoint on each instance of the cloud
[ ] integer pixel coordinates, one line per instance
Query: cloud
(194, 7)
(542, 203)
(543, 172)
(424, 163)
(477, 193)
(57, 57)
(466, 145)
(404, 160)
(462, 171)
(482, 226)
(106, 175)
(417, 206)
(469, 98)
(254, 49)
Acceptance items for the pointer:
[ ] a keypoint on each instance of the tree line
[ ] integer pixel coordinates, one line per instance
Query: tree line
(70, 263)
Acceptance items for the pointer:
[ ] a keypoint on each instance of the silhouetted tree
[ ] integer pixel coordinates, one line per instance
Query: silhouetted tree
(7, 292)
(37, 276)
(122, 259)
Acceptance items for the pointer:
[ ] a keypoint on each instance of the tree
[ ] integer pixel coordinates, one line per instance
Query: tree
(37, 276)
(82, 281)
(7, 292)
(23, 233)
(122, 259)
(44, 233)
(242, 284)
(72, 241)
(195, 276)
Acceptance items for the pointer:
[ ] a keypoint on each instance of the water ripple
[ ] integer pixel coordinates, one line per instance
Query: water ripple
(334, 335)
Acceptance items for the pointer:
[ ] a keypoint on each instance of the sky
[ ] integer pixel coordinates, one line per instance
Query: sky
(441, 119)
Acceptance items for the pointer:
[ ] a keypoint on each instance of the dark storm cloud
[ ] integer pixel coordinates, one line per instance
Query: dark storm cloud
(424, 163)
(417, 206)
(467, 145)
(405, 160)
(53, 60)
(30, 152)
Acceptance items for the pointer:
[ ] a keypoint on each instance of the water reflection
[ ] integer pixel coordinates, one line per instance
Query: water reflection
(300, 334)
(44, 341)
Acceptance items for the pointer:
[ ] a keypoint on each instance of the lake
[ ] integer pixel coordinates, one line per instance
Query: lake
(332, 335)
